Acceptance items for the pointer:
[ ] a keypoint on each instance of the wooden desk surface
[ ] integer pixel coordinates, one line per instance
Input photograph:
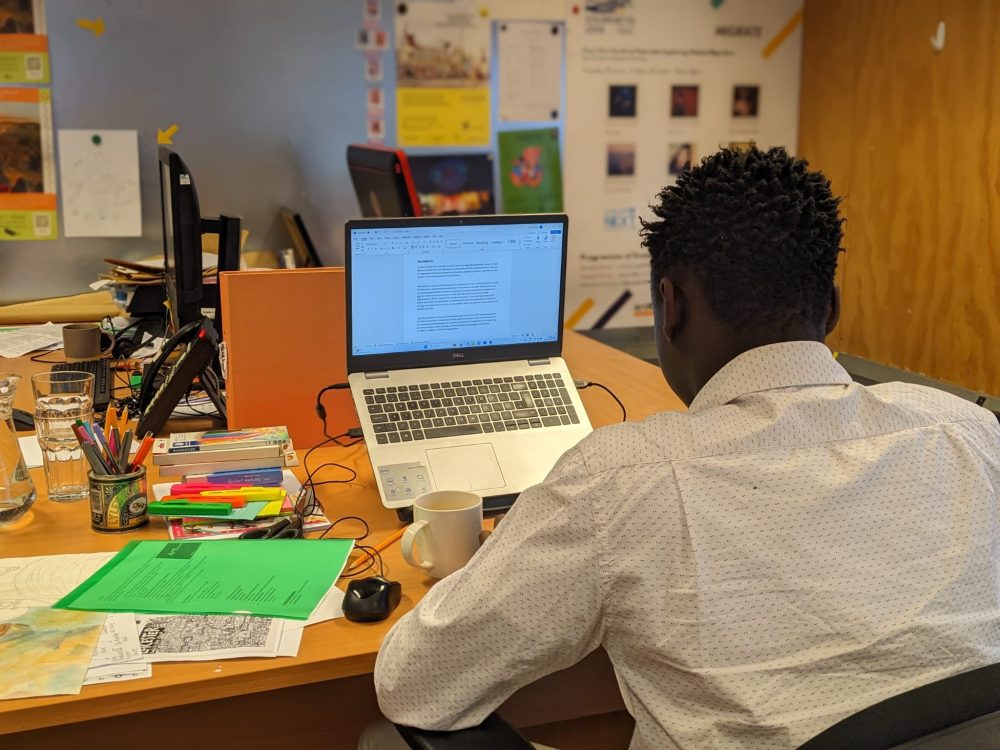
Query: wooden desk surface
(330, 651)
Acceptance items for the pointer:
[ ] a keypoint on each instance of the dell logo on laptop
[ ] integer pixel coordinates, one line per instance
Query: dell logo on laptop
(458, 355)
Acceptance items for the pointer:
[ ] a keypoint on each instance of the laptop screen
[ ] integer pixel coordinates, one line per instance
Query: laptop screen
(465, 284)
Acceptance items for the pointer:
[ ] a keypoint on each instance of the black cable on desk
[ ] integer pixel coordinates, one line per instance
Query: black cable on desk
(582, 384)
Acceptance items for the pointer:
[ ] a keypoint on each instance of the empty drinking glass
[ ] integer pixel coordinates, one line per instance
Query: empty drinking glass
(17, 491)
(61, 398)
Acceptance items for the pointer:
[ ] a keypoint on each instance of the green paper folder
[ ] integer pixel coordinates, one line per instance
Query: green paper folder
(269, 578)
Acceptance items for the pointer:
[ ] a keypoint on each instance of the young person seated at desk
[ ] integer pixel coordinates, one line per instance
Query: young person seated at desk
(794, 548)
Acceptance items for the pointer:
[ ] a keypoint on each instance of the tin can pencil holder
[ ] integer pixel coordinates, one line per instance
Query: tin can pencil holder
(118, 502)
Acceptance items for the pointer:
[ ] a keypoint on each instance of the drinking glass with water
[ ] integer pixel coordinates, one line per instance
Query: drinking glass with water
(61, 398)
(17, 491)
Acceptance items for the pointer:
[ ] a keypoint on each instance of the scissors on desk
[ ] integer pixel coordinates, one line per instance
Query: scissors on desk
(286, 528)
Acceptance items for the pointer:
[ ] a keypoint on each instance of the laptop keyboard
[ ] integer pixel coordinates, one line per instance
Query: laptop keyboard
(469, 407)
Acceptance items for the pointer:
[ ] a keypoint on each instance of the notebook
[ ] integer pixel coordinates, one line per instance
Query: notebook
(285, 333)
(454, 338)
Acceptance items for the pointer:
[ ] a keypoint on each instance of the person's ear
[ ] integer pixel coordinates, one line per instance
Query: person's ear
(833, 313)
(672, 301)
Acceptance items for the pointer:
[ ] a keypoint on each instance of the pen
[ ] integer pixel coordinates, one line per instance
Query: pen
(183, 508)
(110, 419)
(140, 455)
(109, 462)
(236, 502)
(123, 451)
(378, 548)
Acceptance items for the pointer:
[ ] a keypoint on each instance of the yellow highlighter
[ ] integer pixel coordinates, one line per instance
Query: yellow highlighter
(257, 494)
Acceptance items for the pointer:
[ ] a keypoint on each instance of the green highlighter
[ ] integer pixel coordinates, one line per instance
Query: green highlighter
(178, 508)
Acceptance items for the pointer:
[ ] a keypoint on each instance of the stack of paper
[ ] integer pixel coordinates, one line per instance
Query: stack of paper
(16, 342)
(95, 647)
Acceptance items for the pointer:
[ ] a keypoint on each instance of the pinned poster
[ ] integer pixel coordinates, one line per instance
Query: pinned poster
(529, 66)
(443, 117)
(454, 184)
(27, 168)
(530, 171)
(442, 74)
(99, 173)
(24, 47)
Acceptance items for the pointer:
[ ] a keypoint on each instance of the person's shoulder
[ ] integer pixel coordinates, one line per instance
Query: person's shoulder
(660, 437)
(932, 405)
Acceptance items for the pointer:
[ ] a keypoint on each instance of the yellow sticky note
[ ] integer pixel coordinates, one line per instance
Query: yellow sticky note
(273, 508)
(443, 116)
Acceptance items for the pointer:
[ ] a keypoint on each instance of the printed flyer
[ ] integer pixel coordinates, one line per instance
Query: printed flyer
(24, 47)
(27, 168)
(530, 171)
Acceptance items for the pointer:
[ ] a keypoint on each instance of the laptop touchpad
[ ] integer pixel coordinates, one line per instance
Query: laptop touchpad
(465, 467)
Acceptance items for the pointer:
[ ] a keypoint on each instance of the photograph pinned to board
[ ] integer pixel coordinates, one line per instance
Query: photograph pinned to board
(530, 171)
(375, 100)
(442, 44)
(745, 101)
(24, 46)
(529, 69)
(622, 100)
(373, 69)
(681, 156)
(454, 184)
(99, 172)
(376, 129)
(27, 167)
(684, 101)
(621, 160)
(371, 10)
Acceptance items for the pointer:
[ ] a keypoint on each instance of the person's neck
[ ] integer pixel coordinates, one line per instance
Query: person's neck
(729, 348)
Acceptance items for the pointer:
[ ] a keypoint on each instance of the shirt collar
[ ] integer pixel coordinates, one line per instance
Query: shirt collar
(786, 365)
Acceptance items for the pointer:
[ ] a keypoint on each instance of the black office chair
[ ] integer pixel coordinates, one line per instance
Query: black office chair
(961, 712)
(493, 734)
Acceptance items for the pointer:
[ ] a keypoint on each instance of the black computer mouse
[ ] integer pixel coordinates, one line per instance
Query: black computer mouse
(371, 599)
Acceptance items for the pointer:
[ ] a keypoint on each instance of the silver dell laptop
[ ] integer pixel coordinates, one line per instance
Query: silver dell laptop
(454, 337)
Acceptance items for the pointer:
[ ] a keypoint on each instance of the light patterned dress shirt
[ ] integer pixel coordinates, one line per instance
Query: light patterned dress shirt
(794, 548)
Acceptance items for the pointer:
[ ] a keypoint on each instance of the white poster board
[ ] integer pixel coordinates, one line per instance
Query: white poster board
(650, 83)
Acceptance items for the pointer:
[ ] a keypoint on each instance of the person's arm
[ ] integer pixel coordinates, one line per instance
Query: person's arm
(528, 604)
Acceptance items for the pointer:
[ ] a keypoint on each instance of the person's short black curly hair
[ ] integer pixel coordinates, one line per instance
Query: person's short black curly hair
(759, 230)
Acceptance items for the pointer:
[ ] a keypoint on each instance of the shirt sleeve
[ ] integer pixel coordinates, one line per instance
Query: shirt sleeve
(529, 603)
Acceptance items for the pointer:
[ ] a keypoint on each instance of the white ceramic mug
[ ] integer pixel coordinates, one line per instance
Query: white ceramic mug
(445, 531)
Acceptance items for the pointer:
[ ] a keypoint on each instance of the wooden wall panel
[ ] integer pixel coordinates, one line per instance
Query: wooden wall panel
(911, 138)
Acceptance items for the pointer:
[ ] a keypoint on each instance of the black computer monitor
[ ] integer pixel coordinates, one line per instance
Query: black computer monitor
(187, 294)
(382, 182)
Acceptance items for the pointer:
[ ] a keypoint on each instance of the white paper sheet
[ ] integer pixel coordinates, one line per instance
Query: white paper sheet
(118, 673)
(42, 581)
(119, 642)
(529, 57)
(99, 172)
(207, 637)
(330, 607)
(31, 451)
(16, 342)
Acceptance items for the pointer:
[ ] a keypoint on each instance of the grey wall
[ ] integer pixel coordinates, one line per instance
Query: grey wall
(267, 95)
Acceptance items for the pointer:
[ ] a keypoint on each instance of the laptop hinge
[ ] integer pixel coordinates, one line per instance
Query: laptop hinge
(535, 362)
(376, 375)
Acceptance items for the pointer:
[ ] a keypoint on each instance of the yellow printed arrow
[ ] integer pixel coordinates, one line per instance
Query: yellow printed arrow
(97, 25)
(166, 137)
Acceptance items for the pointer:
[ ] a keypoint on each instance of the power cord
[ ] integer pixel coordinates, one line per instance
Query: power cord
(373, 558)
(582, 384)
